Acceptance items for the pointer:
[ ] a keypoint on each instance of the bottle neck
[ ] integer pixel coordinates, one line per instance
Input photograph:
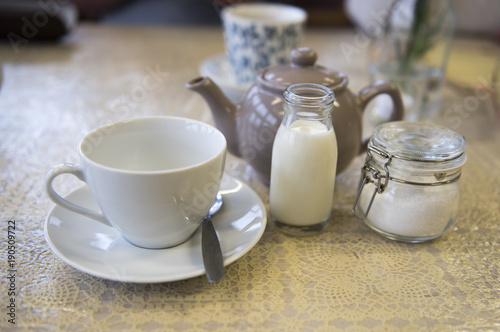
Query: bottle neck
(308, 102)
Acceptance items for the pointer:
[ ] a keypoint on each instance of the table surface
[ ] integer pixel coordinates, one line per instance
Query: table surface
(346, 278)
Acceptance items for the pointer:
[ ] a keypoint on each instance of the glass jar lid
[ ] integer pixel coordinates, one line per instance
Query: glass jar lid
(420, 142)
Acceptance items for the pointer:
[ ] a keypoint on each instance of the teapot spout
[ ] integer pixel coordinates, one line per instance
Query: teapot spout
(223, 110)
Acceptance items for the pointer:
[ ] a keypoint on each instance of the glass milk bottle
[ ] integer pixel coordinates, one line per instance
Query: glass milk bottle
(304, 161)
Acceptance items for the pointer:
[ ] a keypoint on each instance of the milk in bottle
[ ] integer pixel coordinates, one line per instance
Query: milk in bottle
(304, 161)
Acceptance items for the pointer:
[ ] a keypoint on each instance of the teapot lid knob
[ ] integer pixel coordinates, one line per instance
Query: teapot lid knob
(303, 57)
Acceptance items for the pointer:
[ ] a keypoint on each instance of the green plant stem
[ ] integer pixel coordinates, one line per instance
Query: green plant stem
(419, 40)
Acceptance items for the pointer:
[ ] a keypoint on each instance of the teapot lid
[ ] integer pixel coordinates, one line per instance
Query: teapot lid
(301, 70)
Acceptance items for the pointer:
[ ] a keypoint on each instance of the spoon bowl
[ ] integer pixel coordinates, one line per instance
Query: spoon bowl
(210, 245)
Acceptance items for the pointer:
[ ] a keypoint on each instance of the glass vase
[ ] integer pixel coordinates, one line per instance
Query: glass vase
(412, 52)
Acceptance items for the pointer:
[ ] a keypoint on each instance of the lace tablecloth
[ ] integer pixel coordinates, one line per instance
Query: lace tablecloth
(347, 278)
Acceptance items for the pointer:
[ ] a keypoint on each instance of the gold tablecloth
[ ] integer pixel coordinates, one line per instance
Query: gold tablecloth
(347, 278)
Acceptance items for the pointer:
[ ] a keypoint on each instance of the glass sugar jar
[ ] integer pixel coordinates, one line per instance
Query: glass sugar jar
(409, 188)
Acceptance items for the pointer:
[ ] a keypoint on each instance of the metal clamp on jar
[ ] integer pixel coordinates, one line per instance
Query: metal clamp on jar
(409, 188)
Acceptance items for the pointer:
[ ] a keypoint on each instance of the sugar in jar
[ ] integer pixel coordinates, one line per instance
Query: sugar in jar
(410, 182)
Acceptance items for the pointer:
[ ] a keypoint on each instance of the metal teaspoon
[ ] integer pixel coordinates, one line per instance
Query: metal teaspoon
(210, 246)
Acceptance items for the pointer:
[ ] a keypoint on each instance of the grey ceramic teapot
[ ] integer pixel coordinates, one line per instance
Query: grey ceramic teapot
(250, 127)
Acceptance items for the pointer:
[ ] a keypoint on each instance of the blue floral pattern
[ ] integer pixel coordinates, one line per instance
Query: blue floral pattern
(251, 47)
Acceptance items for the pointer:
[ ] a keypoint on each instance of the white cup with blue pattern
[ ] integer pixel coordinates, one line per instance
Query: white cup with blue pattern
(259, 35)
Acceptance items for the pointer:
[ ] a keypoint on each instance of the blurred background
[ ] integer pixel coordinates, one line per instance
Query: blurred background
(473, 17)
(475, 21)
(479, 18)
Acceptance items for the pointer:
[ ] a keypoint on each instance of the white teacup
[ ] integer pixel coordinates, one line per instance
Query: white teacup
(153, 178)
(259, 35)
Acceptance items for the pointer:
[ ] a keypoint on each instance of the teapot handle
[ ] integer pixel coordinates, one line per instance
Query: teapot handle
(378, 88)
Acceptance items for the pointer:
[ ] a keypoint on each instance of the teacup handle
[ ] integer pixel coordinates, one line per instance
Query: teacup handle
(75, 170)
(378, 88)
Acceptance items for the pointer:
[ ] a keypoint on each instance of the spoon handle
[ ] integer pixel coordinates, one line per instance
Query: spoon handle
(211, 251)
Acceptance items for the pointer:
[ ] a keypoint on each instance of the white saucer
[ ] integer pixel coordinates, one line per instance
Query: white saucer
(219, 70)
(101, 251)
